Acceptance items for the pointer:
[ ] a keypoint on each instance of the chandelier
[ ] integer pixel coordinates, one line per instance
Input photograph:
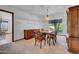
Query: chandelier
(47, 16)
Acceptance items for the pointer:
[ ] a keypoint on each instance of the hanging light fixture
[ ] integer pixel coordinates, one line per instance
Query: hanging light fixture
(47, 16)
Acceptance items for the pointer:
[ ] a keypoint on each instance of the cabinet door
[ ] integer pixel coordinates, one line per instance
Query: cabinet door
(73, 23)
(68, 22)
(78, 20)
(73, 44)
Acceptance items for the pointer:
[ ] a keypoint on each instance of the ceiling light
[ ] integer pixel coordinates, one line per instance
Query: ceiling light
(47, 16)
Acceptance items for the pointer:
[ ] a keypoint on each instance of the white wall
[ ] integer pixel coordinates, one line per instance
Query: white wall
(21, 25)
(22, 20)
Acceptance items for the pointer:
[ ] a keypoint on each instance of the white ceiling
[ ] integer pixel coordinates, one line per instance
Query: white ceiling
(41, 9)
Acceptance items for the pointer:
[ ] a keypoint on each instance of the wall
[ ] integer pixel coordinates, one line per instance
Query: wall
(24, 24)
(22, 20)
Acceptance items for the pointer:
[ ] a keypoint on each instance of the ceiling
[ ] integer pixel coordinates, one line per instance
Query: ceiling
(41, 10)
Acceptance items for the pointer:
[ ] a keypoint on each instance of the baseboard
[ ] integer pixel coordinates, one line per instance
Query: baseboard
(62, 35)
(19, 39)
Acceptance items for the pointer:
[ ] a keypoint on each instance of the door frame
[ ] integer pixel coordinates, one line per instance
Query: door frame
(12, 22)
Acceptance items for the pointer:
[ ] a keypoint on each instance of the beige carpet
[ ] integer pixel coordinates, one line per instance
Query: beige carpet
(27, 47)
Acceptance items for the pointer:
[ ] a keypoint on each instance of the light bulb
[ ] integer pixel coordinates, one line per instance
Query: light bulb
(47, 18)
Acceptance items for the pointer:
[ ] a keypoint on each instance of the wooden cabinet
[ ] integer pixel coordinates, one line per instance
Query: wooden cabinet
(28, 34)
(73, 29)
(73, 45)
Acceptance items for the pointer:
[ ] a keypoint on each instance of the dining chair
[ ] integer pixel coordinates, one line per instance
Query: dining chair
(51, 37)
(39, 37)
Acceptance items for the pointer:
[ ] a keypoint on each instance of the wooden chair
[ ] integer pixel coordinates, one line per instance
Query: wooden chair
(51, 37)
(39, 37)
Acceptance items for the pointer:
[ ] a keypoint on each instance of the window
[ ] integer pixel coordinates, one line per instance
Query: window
(56, 24)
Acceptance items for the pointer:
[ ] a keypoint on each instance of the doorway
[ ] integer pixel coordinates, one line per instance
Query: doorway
(6, 26)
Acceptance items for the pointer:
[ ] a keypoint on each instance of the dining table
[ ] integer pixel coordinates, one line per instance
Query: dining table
(47, 33)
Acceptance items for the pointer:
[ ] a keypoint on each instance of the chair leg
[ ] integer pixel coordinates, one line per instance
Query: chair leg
(35, 42)
(49, 42)
(40, 44)
(55, 39)
(53, 42)
(44, 42)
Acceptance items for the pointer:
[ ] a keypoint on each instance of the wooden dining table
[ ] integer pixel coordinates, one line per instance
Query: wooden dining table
(47, 33)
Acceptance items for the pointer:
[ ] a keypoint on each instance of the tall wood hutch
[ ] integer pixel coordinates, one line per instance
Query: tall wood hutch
(73, 29)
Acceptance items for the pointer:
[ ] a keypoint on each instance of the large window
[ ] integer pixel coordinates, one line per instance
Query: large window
(56, 24)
